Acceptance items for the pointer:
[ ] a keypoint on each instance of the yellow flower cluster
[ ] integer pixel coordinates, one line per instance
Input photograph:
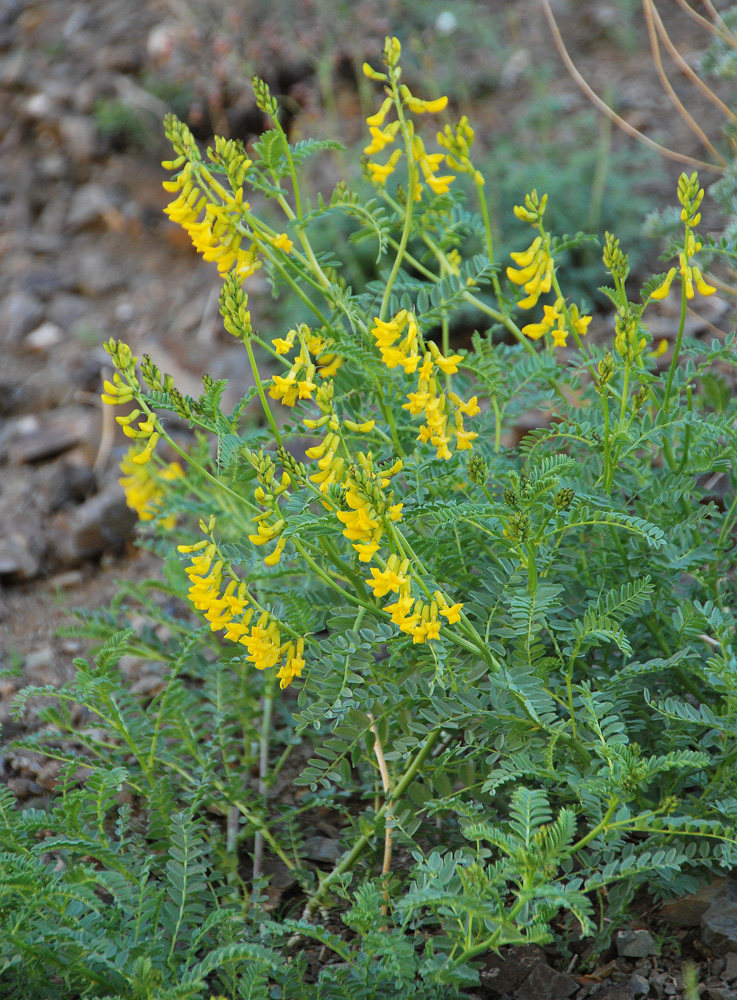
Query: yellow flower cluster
(316, 344)
(298, 382)
(535, 271)
(332, 449)
(267, 493)
(400, 343)
(145, 431)
(143, 489)
(413, 616)
(458, 142)
(690, 273)
(554, 321)
(370, 508)
(221, 609)
(117, 392)
(383, 135)
(216, 235)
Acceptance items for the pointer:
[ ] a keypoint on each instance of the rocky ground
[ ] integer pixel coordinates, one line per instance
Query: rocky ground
(86, 254)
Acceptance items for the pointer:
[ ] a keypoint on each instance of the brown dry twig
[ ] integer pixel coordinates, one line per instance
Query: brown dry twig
(671, 154)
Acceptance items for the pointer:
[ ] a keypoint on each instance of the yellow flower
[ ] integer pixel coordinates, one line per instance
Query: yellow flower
(294, 663)
(452, 613)
(282, 242)
(535, 272)
(143, 490)
(379, 172)
(661, 292)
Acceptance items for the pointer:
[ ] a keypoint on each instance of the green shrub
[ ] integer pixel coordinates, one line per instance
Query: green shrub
(515, 663)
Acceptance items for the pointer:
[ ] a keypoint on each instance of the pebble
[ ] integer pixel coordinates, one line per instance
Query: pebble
(20, 313)
(322, 849)
(545, 983)
(18, 559)
(101, 524)
(636, 944)
(730, 966)
(88, 207)
(719, 922)
(43, 338)
(98, 276)
(639, 985)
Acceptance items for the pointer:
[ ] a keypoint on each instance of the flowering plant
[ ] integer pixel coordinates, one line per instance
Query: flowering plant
(475, 626)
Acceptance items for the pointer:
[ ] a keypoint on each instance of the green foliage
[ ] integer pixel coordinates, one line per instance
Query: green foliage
(515, 663)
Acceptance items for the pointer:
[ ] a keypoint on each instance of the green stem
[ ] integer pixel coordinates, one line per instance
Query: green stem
(263, 767)
(677, 348)
(260, 390)
(362, 843)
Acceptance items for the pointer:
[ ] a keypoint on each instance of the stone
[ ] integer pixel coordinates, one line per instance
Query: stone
(78, 132)
(43, 282)
(66, 309)
(730, 966)
(639, 985)
(636, 944)
(18, 557)
(322, 849)
(43, 338)
(20, 312)
(88, 207)
(98, 276)
(503, 975)
(61, 432)
(719, 922)
(719, 993)
(545, 983)
(687, 911)
(101, 524)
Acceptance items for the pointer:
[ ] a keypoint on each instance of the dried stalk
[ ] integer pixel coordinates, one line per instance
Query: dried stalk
(651, 19)
(683, 65)
(387, 785)
(605, 109)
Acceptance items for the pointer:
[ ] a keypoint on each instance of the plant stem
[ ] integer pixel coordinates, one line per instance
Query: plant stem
(267, 703)
(677, 348)
(362, 843)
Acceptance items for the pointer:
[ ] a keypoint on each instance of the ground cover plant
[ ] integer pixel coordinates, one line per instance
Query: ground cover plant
(514, 664)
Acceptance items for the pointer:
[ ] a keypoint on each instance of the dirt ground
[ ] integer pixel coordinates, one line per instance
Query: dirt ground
(86, 253)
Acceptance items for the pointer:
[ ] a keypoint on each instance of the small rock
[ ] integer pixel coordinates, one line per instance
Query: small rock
(43, 282)
(102, 523)
(52, 167)
(66, 309)
(719, 993)
(503, 975)
(636, 944)
(43, 338)
(78, 132)
(687, 911)
(148, 684)
(39, 106)
(62, 432)
(20, 787)
(322, 849)
(98, 276)
(719, 922)
(19, 314)
(68, 581)
(39, 661)
(18, 558)
(730, 966)
(639, 985)
(119, 58)
(545, 983)
(69, 483)
(89, 205)
(614, 991)
(46, 777)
